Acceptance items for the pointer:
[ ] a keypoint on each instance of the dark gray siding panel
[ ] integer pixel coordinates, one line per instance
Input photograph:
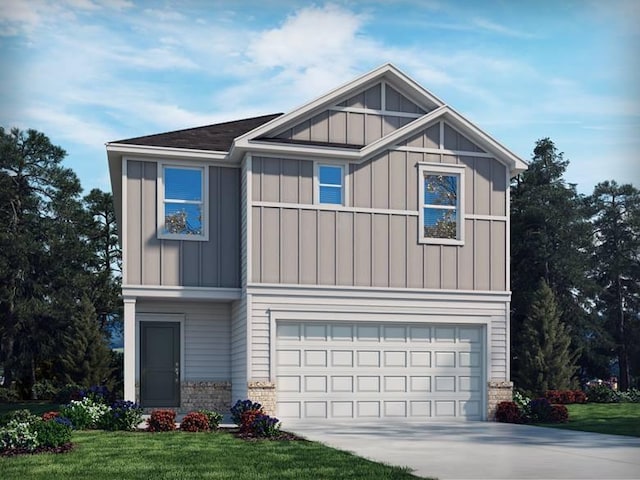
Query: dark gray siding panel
(150, 261)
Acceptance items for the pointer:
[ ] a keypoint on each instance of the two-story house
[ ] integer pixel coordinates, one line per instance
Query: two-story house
(349, 259)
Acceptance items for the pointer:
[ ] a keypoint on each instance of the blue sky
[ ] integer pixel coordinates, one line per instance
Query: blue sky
(86, 72)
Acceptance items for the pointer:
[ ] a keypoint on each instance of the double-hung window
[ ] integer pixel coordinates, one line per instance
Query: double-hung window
(331, 184)
(441, 192)
(182, 209)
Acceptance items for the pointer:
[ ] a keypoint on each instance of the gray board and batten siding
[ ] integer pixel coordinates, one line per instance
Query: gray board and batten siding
(153, 261)
(374, 240)
(353, 121)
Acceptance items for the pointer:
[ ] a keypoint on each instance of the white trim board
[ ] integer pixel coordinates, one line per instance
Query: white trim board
(182, 293)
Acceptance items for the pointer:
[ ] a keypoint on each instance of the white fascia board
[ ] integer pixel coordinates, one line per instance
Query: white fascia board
(401, 133)
(166, 152)
(399, 81)
(288, 149)
(181, 293)
(483, 139)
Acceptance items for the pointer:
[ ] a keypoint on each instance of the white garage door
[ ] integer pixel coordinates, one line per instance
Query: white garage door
(379, 370)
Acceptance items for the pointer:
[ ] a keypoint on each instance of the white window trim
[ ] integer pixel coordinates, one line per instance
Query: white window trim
(447, 170)
(205, 203)
(316, 182)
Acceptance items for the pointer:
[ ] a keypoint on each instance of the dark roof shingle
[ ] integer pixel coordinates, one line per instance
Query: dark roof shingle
(218, 137)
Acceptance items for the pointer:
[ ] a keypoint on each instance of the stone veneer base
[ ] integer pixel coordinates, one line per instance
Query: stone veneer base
(497, 391)
(265, 394)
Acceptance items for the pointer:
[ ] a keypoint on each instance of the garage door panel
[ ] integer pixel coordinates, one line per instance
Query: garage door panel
(342, 358)
(445, 359)
(368, 333)
(445, 384)
(288, 358)
(416, 371)
(420, 359)
(420, 334)
(368, 358)
(341, 333)
(368, 384)
(315, 358)
(395, 334)
(315, 332)
(395, 384)
(395, 359)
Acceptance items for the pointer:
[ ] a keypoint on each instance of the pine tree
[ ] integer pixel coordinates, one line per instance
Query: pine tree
(86, 356)
(616, 270)
(547, 360)
(550, 241)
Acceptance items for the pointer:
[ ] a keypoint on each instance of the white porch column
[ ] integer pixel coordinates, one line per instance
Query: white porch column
(130, 349)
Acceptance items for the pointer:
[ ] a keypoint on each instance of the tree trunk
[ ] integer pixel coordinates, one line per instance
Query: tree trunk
(623, 358)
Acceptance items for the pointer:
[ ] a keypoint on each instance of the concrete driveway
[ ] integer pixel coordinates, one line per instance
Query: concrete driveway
(479, 450)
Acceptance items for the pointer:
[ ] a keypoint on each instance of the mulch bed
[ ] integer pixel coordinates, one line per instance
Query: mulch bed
(67, 447)
(286, 436)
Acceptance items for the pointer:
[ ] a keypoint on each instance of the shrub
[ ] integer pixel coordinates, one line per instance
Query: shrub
(162, 421)
(265, 426)
(46, 416)
(63, 421)
(540, 409)
(53, 434)
(565, 397)
(22, 416)
(69, 392)
(508, 412)
(45, 390)
(602, 394)
(631, 396)
(522, 401)
(559, 414)
(195, 422)
(247, 418)
(8, 395)
(19, 435)
(214, 418)
(97, 393)
(579, 396)
(123, 415)
(242, 406)
(85, 413)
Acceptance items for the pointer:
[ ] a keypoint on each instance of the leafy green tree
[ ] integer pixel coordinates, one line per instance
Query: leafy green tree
(49, 260)
(547, 359)
(550, 241)
(616, 270)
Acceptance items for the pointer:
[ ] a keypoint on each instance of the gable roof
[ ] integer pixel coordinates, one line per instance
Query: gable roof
(217, 137)
(436, 110)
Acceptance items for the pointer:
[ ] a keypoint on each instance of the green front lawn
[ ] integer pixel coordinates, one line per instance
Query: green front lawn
(182, 456)
(612, 418)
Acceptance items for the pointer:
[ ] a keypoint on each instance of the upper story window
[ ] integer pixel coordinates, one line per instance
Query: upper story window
(182, 212)
(331, 184)
(441, 216)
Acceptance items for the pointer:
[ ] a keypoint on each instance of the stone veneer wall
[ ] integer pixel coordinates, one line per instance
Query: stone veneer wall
(498, 391)
(263, 393)
(214, 396)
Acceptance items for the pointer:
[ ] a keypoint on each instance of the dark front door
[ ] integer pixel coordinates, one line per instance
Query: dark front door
(160, 364)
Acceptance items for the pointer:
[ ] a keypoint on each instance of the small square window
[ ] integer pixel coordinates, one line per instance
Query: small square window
(441, 190)
(330, 184)
(183, 210)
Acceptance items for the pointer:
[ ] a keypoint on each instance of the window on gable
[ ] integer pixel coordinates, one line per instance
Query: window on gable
(441, 216)
(331, 184)
(183, 209)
